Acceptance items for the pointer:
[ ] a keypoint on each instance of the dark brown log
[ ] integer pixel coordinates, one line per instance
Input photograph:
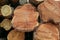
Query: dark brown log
(35, 2)
(14, 1)
(3, 2)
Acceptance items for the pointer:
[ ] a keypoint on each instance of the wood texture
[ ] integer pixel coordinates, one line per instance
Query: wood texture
(35, 2)
(50, 10)
(6, 24)
(3, 2)
(25, 18)
(15, 35)
(46, 32)
(6, 10)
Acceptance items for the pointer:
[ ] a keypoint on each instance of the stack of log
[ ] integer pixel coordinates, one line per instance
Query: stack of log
(20, 16)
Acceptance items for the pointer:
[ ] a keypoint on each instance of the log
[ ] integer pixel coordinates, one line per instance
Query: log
(6, 24)
(46, 31)
(49, 10)
(3, 2)
(6, 10)
(36, 2)
(25, 18)
(15, 35)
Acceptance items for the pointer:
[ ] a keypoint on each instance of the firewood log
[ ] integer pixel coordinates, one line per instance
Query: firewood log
(25, 18)
(6, 24)
(3, 2)
(15, 35)
(6, 10)
(50, 10)
(35, 2)
(46, 31)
